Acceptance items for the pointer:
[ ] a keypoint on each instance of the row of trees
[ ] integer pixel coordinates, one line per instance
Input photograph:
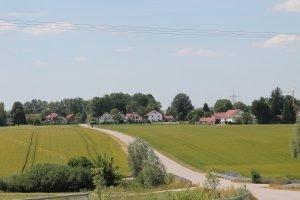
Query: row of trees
(276, 108)
(115, 102)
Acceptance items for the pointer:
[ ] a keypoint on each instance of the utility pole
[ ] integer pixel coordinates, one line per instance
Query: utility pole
(293, 95)
(233, 97)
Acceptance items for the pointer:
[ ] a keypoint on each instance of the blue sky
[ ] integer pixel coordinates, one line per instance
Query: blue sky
(53, 64)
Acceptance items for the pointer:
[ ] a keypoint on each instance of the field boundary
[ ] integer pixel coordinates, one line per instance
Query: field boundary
(85, 142)
(81, 196)
(91, 141)
(35, 149)
(28, 152)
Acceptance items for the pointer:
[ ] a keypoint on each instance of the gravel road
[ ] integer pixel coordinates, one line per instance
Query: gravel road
(258, 190)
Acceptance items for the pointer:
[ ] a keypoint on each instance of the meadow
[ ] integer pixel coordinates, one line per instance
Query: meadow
(24, 146)
(236, 148)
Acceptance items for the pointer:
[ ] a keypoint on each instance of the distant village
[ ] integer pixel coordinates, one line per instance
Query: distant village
(144, 108)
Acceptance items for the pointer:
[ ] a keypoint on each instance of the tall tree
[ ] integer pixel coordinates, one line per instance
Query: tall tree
(17, 113)
(206, 108)
(194, 115)
(222, 105)
(181, 106)
(289, 112)
(240, 105)
(3, 115)
(261, 110)
(142, 104)
(276, 102)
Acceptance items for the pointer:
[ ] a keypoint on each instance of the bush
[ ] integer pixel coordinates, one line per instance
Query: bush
(82, 162)
(295, 142)
(50, 178)
(3, 185)
(255, 176)
(151, 174)
(211, 181)
(104, 172)
(144, 164)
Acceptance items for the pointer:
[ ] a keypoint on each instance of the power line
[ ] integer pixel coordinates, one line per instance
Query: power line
(138, 29)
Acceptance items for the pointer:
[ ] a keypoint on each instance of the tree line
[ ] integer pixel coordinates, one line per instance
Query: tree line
(274, 109)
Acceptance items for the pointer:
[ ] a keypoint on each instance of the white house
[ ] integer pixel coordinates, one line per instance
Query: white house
(106, 118)
(229, 116)
(133, 117)
(154, 116)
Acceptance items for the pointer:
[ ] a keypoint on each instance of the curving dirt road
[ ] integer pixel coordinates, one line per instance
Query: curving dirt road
(258, 190)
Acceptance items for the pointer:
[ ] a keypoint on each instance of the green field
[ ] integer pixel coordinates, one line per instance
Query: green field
(223, 148)
(24, 146)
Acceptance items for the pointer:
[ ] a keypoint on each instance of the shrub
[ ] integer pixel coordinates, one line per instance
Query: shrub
(50, 178)
(211, 181)
(3, 185)
(82, 162)
(152, 174)
(144, 164)
(137, 152)
(255, 176)
(295, 142)
(104, 172)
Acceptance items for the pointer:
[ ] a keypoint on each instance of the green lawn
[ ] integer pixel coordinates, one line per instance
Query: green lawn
(24, 146)
(223, 148)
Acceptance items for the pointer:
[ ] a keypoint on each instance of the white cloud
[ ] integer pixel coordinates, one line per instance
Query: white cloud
(24, 14)
(38, 62)
(202, 53)
(124, 50)
(6, 26)
(81, 59)
(49, 28)
(278, 41)
(288, 6)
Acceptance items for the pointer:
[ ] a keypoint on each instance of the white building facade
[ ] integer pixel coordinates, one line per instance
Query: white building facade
(154, 116)
(106, 118)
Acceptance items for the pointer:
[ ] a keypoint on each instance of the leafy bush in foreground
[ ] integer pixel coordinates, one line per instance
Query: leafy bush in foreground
(145, 165)
(255, 176)
(80, 162)
(104, 172)
(50, 178)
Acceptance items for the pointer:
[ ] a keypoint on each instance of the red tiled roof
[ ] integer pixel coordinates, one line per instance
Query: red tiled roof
(52, 115)
(168, 117)
(128, 115)
(70, 116)
(207, 119)
(227, 114)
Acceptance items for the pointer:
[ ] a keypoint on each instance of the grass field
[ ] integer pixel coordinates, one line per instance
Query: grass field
(223, 148)
(24, 146)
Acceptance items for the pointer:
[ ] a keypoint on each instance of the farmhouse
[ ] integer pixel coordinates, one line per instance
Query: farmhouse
(106, 118)
(71, 118)
(207, 120)
(133, 117)
(168, 118)
(154, 116)
(52, 117)
(227, 117)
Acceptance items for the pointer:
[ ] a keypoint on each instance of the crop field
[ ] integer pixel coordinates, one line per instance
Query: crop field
(24, 146)
(264, 148)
